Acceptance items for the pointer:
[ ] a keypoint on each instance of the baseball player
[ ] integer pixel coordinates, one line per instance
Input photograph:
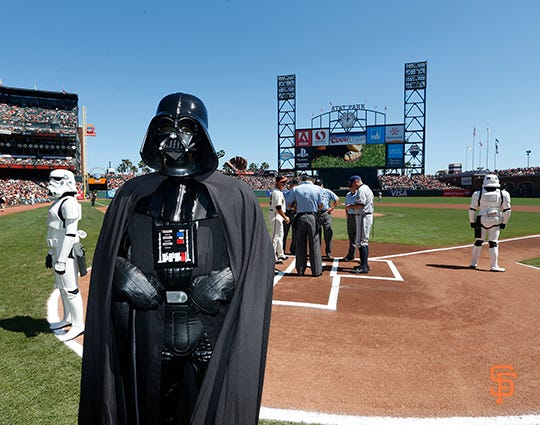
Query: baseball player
(277, 217)
(363, 208)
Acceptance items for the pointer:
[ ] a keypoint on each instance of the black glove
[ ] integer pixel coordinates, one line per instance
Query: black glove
(209, 290)
(48, 261)
(473, 225)
(502, 226)
(141, 291)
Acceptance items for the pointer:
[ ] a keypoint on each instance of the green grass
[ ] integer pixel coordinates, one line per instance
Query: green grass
(433, 227)
(40, 377)
(532, 262)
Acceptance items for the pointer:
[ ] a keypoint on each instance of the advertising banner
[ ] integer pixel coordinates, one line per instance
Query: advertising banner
(395, 133)
(376, 134)
(347, 139)
(303, 158)
(394, 155)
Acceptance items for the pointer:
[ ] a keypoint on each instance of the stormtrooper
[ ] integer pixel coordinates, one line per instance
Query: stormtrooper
(489, 212)
(181, 287)
(62, 237)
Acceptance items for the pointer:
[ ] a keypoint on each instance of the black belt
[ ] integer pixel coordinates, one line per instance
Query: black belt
(367, 213)
(306, 213)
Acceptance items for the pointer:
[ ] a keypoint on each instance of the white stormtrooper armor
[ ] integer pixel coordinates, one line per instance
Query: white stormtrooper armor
(62, 234)
(489, 212)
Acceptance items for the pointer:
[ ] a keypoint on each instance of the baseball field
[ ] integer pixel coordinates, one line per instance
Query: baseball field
(421, 339)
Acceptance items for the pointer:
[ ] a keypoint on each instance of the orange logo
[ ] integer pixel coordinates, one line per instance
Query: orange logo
(503, 376)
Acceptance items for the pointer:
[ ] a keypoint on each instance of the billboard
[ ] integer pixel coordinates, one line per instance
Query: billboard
(380, 146)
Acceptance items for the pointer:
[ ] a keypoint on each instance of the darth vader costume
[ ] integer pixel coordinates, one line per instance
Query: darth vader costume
(181, 289)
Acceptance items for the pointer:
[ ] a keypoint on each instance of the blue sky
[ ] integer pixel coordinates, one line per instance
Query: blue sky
(122, 57)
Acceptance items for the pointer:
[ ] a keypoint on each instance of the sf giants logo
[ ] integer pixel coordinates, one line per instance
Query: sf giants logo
(503, 376)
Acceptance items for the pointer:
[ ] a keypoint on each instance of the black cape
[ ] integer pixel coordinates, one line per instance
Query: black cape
(232, 387)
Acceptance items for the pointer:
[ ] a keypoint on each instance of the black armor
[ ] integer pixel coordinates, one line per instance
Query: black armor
(190, 260)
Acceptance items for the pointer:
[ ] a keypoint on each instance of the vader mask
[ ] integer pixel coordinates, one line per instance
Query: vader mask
(177, 141)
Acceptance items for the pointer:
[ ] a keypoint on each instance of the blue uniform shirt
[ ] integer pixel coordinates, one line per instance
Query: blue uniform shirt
(307, 197)
(327, 197)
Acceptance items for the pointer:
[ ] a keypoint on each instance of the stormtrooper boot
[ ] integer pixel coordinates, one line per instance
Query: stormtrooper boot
(66, 321)
(494, 257)
(475, 256)
(76, 306)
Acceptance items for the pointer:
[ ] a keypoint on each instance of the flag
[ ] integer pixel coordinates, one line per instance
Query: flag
(474, 131)
(497, 146)
(480, 143)
(468, 147)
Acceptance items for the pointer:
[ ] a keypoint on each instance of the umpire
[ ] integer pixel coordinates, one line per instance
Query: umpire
(308, 200)
(329, 202)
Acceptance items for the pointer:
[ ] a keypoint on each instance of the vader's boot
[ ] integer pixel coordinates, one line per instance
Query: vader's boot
(76, 307)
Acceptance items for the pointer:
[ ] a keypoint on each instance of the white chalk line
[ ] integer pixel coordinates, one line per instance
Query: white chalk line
(319, 418)
(332, 419)
(336, 281)
(428, 251)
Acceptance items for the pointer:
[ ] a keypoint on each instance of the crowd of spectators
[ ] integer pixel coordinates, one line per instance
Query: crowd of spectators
(23, 192)
(416, 182)
(38, 120)
(257, 182)
(518, 171)
(49, 162)
(114, 182)
(423, 182)
(395, 182)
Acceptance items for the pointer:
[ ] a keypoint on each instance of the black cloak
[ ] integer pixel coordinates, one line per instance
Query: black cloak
(231, 390)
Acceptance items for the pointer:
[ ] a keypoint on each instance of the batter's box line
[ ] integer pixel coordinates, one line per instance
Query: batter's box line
(330, 305)
(336, 282)
(395, 272)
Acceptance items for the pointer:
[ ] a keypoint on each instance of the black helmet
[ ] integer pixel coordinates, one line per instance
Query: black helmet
(177, 141)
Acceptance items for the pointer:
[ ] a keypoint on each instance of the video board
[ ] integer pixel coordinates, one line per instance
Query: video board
(379, 146)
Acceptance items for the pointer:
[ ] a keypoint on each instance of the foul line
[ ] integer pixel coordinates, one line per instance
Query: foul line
(427, 251)
(330, 419)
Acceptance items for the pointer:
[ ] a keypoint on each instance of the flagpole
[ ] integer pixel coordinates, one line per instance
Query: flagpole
(480, 153)
(473, 137)
(487, 148)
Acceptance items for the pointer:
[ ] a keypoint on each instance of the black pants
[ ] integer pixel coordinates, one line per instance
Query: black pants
(326, 231)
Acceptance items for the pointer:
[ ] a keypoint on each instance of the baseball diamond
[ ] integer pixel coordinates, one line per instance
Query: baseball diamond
(415, 338)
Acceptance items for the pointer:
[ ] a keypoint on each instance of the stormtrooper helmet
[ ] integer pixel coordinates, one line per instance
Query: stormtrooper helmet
(177, 141)
(61, 182)
(491, 181)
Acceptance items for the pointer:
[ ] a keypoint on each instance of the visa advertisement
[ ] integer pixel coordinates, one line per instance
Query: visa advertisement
(380, 146)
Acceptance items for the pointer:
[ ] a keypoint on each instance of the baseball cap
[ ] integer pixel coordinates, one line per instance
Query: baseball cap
(281, 178)
(352, 179)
